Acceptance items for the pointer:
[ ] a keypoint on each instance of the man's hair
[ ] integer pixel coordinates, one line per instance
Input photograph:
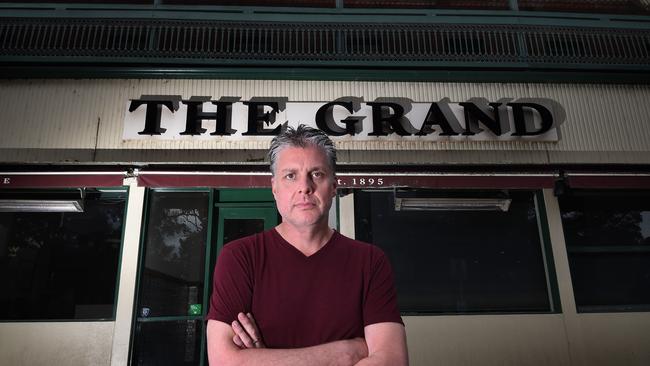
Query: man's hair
(302, 136)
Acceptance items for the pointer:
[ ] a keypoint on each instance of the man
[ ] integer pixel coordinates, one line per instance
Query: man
(302, 293)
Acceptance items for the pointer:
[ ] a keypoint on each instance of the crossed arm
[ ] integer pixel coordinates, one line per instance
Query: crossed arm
(241, 344)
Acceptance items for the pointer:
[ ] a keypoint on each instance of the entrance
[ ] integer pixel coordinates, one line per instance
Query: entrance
(176, 265)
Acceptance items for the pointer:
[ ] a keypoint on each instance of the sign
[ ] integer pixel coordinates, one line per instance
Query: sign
(170, 117)
(155, 179)
(195, 309)
(61, 179)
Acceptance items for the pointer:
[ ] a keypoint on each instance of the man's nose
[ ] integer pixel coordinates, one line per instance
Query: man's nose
(306, 184)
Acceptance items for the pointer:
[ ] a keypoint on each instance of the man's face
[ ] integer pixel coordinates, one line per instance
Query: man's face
(303, 186)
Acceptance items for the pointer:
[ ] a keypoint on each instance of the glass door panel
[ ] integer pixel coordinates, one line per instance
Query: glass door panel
(238, 222)
(169, 327)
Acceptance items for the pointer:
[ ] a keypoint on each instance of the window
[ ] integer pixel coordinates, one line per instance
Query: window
(461, 251)
(174, 257)
(607, 234)
(587, 6)
(60, 265)
(421, 4)
(289, 3)
(172, 299)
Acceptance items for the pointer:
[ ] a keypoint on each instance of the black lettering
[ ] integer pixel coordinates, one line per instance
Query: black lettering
(441, 115)
(476, 110)
(196, 115)
(523, 118)
(384, 122)
(257, 118)
(325, 120)
(154, 104)
(224, 116)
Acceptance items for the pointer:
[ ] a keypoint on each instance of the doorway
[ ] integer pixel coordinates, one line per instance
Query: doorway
(184, 231)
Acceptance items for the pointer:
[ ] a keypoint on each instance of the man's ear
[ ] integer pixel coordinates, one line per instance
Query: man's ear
(273, 185)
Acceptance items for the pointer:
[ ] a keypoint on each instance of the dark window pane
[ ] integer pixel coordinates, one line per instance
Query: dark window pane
(61, 265)
(588, 6)
(288, 3)
(174, 259)
(459, 261)
(239, 228)
(419, 4)
(592, 218)
(168, 343)
(611, 281)
(607, 234)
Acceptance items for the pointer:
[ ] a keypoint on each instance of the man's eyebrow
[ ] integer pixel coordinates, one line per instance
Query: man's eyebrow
(310, 169)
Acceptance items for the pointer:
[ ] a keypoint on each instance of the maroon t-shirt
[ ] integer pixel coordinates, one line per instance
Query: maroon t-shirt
(300, 301)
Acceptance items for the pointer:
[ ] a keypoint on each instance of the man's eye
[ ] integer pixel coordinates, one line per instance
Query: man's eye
(290, 176)
(317, 174)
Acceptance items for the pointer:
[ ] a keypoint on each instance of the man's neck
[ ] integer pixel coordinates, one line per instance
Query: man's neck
(307, 240)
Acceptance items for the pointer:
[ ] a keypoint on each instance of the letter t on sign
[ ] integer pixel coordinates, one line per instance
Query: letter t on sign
(154, 105)
(6, 180)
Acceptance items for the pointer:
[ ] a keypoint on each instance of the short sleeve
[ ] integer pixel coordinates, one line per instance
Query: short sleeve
(380, 304)
(232, 285)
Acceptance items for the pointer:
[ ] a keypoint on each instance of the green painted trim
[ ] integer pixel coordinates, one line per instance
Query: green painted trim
(547, 251)
(324, 15)
(207, 275)
(245, 65)
(255, 195)
(182, 189)
(326, 74)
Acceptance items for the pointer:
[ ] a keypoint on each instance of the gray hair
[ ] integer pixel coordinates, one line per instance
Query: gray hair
(302, 136)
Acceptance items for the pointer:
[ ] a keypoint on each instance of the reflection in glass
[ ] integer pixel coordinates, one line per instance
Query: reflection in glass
(61, 265)
(174, 258)
(605, 219)
(607, 234)
(459, 261)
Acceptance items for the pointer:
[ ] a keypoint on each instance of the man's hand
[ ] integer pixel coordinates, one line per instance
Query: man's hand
(222, 350)
(247, 335)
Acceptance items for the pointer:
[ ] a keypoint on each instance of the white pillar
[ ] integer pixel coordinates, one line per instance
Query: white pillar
(128, 273)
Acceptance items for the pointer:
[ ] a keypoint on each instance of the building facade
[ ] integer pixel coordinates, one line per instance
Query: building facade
(497, 151)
